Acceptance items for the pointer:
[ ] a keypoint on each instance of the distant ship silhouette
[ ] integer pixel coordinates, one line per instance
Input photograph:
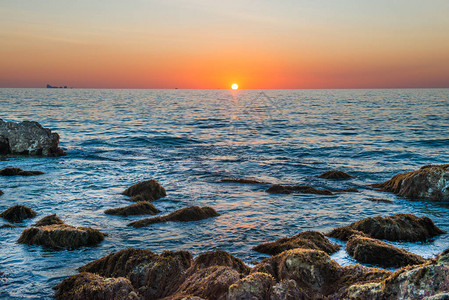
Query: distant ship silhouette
(56, 87)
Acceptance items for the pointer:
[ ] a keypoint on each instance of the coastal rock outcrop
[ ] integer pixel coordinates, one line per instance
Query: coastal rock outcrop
(18, 213)
(243, 180)
(375, 252)
(192, 213)
(140, 208)
(28, 138)
(8, 226)
(85, 286)
(148, 190)
(61, 236)
(288, 189)
(218, 258)
(430, 182)
(49, 220)
(9, 171)
(400, 227)
(305, 240)
(254, 286)
(335, 174)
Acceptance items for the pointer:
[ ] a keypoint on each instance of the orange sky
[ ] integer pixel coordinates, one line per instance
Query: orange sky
(203, 44)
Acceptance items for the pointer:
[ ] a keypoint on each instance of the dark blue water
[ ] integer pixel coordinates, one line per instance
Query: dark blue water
(188, 140)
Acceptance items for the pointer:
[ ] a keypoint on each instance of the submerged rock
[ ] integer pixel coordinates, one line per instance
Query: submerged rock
(61, 236)
(254, 286)
(375, 252)
(335, 174)
(288, 189)
(1, 193)
(148, 190)
(243, 180)
(18, 213)
(140, 208)
(85, 286)
(49, 220)
(400, 227)
(8, 226)
(9, 171)
(28, 138)
(305, 240)
(347, 190)
(430, 182)
(379, 200)
(192, 213)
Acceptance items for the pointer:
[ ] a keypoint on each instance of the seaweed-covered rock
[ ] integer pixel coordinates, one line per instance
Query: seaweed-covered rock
(148, 190)
(375, 252)
(253, 286)
(344, 233)
(61, 236)
(430, 182)
(28, 138)
(400, 227)
(140, 208)
(288, 189)
(244, 180)
(49, 220)
(335, 174)
(18, 213)
(379, 200)
(305, 240)
(10, 171)
(86, 286)
(192, 213)
(218, 258)
(287, 290)
(8, 226)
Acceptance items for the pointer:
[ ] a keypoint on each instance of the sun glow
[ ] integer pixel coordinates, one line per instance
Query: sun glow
(235, 86)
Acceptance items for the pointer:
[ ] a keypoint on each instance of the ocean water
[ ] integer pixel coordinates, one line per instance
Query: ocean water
(190, 139)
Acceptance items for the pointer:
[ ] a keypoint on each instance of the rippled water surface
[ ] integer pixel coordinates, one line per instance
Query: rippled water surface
(190, 139)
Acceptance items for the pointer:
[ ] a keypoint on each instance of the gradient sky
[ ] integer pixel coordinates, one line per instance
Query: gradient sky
(211, 44)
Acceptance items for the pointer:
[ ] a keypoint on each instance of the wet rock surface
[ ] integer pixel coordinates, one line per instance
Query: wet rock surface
(18, 213)
(140, 208)
(4, 226)
(375, 252)
(430, 182)
(243, 180)
(148, 190)
(9, 171)
(400, 227)
(28, 138)
(335, 174)
(305, 240)
(192, 213)
(288, 189)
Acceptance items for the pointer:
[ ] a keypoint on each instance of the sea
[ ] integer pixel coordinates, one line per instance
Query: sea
(188, 140)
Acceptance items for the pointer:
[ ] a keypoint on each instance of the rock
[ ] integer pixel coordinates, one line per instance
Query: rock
(149, 190)
(243, 180)
(8, 226)
(287, 290)
(372, 291)
(210, 283)
(218, 258)
(61, 236)
(9, 171)
(140, 208)
(1, 193)
(49, 220)
(305, 240)
(161, 275)
(347, 190)
(335, 174)
(400, 227)
(28, 138)
(344, 233)
(18, 213)
(430, 182)
(379, 200)
(255, 286)
(85, 286)
(375, 252)
(192, 213)
(288, 189)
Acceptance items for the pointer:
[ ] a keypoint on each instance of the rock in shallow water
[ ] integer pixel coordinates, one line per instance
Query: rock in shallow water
(243, 180)
(149, 190)
(28, 138)
(18, 213)
(192, 213)
(49, 220)
(9, 171)
(140, 208)
(400, 227)
(430, 182)
(288, 189)
(375, 252)
(335, 174)
(305, 240)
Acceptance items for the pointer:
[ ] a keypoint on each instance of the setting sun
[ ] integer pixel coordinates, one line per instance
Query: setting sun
(235, 86)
